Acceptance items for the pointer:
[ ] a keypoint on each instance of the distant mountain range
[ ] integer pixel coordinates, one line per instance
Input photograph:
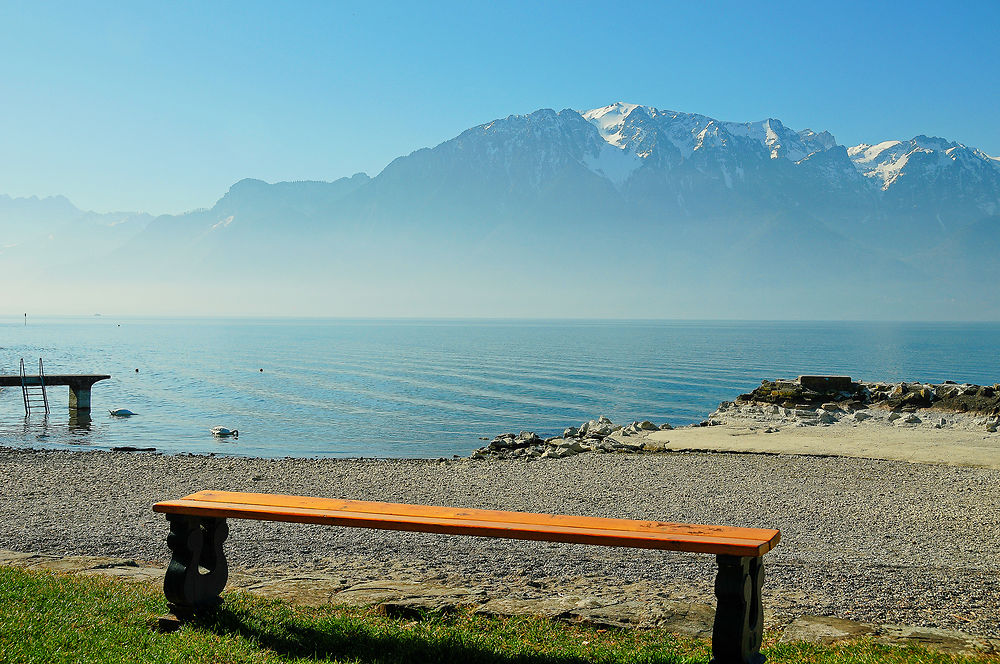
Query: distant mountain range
(621, 211)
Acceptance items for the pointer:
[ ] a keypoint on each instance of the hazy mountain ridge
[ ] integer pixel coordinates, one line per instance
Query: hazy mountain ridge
(685, 213)
(54, 231)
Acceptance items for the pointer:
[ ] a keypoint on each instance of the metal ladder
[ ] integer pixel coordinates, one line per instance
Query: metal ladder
(33, 389)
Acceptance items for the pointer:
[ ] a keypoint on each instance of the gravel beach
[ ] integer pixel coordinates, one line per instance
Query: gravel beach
(869, 540)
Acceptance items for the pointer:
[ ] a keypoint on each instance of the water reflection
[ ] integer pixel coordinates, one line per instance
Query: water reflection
(80, 421)
(45, 430)
(37, 426)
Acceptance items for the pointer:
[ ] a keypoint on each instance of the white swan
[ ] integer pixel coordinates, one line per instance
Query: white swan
(223, 432)
(122, 412)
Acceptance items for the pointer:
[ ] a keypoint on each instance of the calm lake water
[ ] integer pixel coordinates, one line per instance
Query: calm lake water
(433, 388)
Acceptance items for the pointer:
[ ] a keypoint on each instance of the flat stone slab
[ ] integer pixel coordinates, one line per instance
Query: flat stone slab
(503, 607)
(942, 640)
(412, 594)
(824, 630)
(67, 564)
(827, 630)
(404, 597)
(685, 618)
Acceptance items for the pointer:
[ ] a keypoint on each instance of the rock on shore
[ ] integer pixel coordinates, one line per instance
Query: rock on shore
(826, 400)
(600, 435)
(805, 401)
(842, 393)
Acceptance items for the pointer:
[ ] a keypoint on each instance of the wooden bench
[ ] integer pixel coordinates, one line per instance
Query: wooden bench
(198, 571)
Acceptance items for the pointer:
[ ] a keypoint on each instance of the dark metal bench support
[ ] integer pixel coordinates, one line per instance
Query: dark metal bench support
(739, 613)
(198, 570)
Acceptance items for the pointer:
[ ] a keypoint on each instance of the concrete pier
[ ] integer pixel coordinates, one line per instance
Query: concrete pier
(79, 386)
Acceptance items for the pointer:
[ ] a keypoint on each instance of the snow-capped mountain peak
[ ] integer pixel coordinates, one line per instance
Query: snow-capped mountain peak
(620, 127)
(610, 121)
(890, 162)
(632, 146)
(779, 140)
(865, 153)
(883, 161)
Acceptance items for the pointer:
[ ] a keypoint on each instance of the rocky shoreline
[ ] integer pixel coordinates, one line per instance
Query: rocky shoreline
(805, 401)
(841, 393)
(600, 435)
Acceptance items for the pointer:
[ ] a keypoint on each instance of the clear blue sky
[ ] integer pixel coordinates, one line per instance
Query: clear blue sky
(161, 106)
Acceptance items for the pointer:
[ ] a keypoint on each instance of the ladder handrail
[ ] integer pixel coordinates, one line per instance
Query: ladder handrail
(25, 392)
(41, 380)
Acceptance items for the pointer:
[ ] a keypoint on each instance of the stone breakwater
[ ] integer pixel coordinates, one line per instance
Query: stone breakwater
(831, 400)
(833, 393)
(600, 435)
(801, 402)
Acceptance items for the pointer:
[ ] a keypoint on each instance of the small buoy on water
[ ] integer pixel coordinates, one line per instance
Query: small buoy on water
(223, 432)
(262, 371)
(137, 371)
(122, 412)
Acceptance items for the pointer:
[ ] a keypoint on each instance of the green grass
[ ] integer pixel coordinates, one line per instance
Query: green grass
(47, 617)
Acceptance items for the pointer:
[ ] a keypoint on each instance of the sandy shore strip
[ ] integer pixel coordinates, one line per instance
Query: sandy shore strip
(871, 540)
(867, 439)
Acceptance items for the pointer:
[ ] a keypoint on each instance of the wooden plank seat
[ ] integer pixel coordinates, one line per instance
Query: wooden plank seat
(198, 571)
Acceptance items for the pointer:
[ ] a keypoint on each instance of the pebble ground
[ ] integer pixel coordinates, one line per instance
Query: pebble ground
(875, 541)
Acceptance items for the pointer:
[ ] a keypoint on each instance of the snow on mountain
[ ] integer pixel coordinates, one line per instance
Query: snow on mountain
(681, 163)
(883, 161)
(610, 121)
(780, 141)
(624, 126)
(928, 158)
(634, 135)
(613, 163)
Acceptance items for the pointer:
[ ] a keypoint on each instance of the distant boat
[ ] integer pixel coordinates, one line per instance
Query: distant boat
(223, 432)
(122, 412)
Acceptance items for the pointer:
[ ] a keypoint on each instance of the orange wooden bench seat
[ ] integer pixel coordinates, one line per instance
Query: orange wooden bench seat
(198, 530)
(721, 540)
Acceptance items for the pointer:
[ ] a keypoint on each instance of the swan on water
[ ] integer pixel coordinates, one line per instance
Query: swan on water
(223, 432)
(122, 412)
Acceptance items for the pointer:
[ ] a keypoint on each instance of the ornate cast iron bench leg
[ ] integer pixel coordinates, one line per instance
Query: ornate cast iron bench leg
(739, 614)
(198, 571)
